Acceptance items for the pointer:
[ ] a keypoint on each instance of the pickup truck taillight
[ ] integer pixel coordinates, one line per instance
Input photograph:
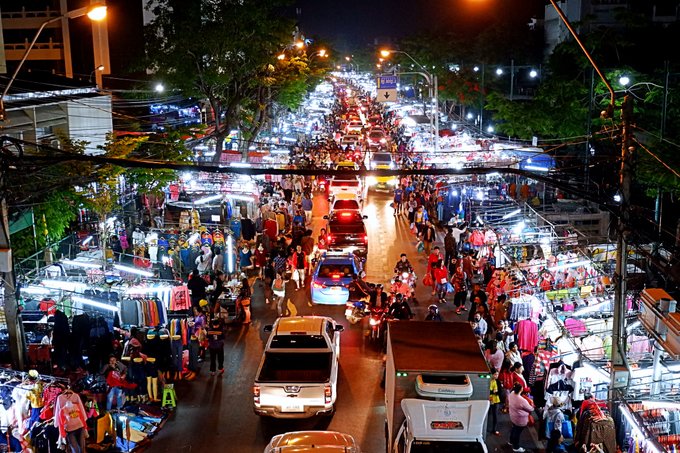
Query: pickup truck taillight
(365, 239)
(256, 394)
(327, 393)
(331, 239)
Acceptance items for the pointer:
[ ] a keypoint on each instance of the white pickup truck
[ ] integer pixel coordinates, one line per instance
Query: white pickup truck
(298, 374)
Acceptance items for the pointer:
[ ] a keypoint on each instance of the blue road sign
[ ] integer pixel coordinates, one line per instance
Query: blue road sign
(387, 82)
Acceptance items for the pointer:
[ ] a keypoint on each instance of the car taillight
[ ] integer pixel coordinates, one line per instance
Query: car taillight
(318, 285)
(335, 276)
(327, 393)
(256, 394)
(365, 239)
(331, 239)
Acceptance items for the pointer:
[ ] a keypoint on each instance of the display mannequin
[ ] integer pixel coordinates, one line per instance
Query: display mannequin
(152, 240)
(137, 237)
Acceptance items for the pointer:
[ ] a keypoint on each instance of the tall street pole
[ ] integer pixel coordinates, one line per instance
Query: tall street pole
(17, 345)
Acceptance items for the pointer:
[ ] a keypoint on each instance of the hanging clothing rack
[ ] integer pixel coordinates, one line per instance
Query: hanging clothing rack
(24, 374)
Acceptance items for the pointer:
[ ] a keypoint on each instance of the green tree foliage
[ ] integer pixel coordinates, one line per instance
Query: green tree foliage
(220, 51)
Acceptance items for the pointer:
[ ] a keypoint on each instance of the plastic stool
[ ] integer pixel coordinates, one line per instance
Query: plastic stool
(169, 396)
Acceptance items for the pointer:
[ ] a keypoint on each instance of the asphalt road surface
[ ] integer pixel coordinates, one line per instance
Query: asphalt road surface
(214, 414)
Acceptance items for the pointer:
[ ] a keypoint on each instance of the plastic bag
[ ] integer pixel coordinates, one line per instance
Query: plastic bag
(421, 246)
(427, 280)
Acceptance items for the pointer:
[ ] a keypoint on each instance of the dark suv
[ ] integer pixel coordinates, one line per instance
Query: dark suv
(347, 232)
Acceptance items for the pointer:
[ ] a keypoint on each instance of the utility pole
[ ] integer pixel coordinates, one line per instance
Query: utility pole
(619, 327)
(17, 346)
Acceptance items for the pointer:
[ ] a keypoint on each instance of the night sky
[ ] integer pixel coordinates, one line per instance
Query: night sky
(350, 23)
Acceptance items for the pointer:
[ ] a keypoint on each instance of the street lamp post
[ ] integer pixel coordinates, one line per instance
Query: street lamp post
(17, 344)
(96, 12)
(433, 91)
(618, 340)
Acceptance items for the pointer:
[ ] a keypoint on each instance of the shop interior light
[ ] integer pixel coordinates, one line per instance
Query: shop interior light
(230, 254)
(535, 168)
(208, 199)
(84, 264)
(63, 285)
(511, 214)
(94, 303)
(33, 289)
(87, 240)
(519, 227)
(569, 265)
(132, 270)
(240, 164)
(148, 289)
(234, 196)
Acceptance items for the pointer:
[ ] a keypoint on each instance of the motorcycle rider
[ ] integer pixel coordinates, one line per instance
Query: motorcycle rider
(359, 288)
(400, 309)
(378, 298)
(403, 265)
(433, 314)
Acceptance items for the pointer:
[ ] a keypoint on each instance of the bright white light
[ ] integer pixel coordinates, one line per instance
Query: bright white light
(535, 168)
(512, 214)
(480, 195)
(230, 253)
(519, 227)
(193, 238)
(159, 88)
(240, 164)
(61, 284)
(94, 303)
(490, 129)
(84, 264)
(187, 176)
(476, 68)
(371, 180)
(148, 289)
(617, 198)
(205, 200)
(499, 71)
(624, 80)
(132, 270)
(533, 73)
(87, 240)
(240, 197)
(454, 193)
(569, 265)
(35, 290)
(469, 116)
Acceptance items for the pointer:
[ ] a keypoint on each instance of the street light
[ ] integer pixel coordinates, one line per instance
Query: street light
(101, 67)
(159, 88)
(96, 12)
(624, 80)
(432, 82)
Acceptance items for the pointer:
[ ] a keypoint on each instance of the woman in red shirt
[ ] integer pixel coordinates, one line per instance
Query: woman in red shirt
(441, 278)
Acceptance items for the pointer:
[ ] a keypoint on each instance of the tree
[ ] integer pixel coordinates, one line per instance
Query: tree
(218, 51)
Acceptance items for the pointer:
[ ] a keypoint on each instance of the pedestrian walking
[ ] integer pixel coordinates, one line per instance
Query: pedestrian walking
(279, 289)
(216, 345)
(307, 205)
(243, 299)
(429, 236)
(450, 246)
(520, 412)
(495, 390)
(299, 264)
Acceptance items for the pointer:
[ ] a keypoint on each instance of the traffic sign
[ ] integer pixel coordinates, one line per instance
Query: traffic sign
(387, 95)
(387, 82)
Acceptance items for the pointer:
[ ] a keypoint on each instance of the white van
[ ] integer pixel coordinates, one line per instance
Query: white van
(438, 426)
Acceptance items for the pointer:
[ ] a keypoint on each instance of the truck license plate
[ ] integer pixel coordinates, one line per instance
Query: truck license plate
(292, 408)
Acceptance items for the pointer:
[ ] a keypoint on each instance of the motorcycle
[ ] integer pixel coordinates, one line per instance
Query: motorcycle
(355, 311)
(404, 283)
(376, 323)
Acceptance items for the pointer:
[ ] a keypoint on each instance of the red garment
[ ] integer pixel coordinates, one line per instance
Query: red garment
(431, 260)
(519, 379)
(506, 378)
(440, 274)
(294, 260)
(271, 228)
(527, 335)
(260, 258)
(477, 238)
(179, 298)
(48, 306)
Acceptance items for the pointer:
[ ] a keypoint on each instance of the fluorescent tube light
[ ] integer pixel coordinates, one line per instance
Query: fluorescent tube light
(511, 214)
(84, 264)
(133, 270)
(63, 285)
(208, 199)
(94, 303)
(32, 289)
(569, 265)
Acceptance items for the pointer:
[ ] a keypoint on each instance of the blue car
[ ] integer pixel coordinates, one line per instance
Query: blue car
(332, 277)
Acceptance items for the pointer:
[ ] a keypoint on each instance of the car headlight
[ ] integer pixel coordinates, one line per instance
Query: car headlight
(371, 180)
(393, 182)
